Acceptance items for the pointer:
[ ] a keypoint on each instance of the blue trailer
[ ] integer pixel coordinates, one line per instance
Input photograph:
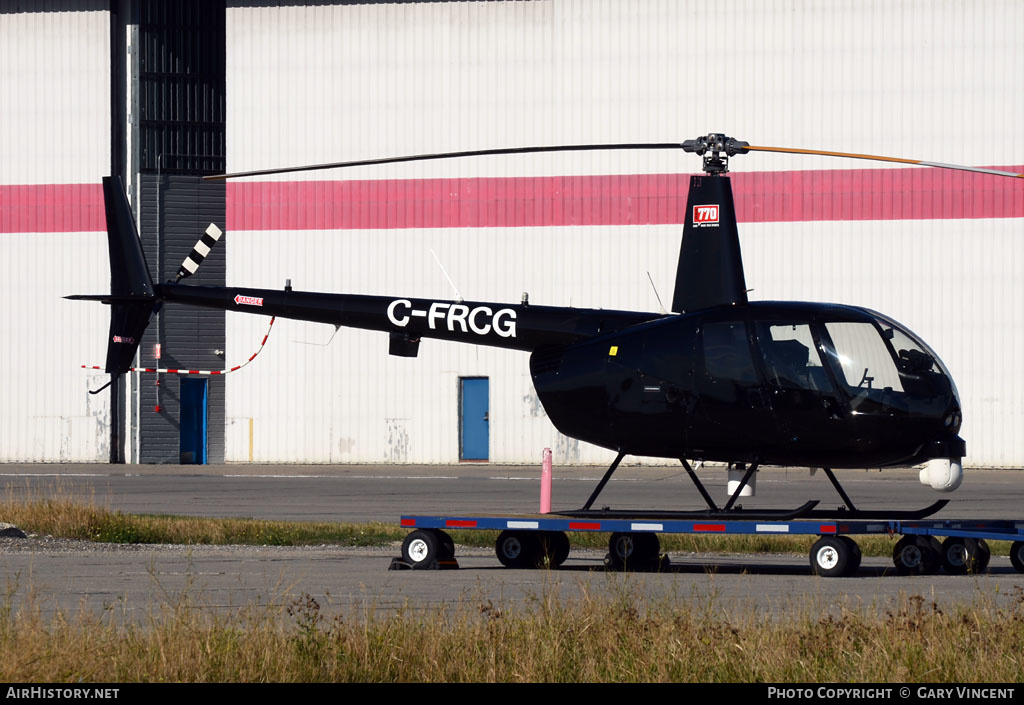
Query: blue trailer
(543, 540)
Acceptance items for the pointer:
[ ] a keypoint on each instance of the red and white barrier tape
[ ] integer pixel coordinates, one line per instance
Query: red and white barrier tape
(197, 372)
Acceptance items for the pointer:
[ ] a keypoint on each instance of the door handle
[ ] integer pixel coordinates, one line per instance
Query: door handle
(487, 416)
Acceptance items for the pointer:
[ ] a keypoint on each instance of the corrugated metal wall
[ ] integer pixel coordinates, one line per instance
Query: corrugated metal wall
(314, 83)
(54, 146)
(181, 86)
(190, 337)
(182, 107)
(308, 84)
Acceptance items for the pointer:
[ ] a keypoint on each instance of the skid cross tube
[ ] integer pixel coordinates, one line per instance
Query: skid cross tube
(739, 488)
(700, 486)
(839, 489)
(604, 480)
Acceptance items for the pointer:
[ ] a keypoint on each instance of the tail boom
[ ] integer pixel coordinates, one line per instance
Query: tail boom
(512, 326)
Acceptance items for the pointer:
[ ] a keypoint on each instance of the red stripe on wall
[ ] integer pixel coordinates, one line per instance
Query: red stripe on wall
(639, 199)
(52, 208)
(631, 199)
(876, 194)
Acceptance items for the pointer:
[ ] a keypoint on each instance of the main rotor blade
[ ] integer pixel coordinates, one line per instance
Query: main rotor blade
(872, 157)
(451, 155)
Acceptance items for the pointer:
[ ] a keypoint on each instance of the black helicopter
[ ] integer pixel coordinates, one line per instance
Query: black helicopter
(720, 378)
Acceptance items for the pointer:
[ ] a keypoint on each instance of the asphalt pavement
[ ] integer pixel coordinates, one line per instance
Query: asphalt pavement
(69, 574)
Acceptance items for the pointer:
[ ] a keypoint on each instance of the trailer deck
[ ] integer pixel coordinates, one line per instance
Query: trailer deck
(528, 540)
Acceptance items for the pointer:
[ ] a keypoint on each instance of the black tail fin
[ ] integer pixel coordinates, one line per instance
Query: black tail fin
(132, 296)
(710, 269)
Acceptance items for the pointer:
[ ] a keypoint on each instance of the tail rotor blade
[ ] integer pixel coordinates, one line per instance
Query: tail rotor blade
(199, 252)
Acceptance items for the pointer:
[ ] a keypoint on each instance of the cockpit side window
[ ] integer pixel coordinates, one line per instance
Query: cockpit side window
(791, 357)
(727, 353)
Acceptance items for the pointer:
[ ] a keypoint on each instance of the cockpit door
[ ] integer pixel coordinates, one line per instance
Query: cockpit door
(733, 419)
(802, 394)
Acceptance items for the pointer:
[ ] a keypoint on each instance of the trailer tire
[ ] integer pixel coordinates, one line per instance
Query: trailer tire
(517, 549)
(447, 548)
(421, 548)
(961, 556)
(1017, 555)
(853, 565)
(830, 556)
(628, 550)
(935, 565)
(620, 550)
(917, 555)
(984, 555)
(554, 549)
(649, 549)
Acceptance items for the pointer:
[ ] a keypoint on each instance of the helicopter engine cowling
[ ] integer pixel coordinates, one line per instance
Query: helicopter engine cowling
(942, 474)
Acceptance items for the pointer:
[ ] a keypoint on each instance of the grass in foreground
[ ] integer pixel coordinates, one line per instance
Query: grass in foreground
(76, 519)
(614, 638)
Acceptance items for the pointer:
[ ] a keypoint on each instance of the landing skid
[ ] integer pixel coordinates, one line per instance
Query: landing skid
(843, 513)
(806, 511)
(718, 515)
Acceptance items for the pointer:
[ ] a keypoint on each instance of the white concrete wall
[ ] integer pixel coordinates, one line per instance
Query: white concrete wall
(926, 80)
(54, 132)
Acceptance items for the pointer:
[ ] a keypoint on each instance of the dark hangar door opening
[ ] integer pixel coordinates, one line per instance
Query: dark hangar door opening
(474, 418)
(193, 421)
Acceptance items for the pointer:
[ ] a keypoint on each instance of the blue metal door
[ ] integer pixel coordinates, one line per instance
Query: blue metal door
(192, 421)
(474, 400)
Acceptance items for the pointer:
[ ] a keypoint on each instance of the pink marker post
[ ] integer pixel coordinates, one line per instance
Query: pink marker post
(545, 483)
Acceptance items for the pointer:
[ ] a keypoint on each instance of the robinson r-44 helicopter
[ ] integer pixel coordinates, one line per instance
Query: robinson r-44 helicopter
(720, 378)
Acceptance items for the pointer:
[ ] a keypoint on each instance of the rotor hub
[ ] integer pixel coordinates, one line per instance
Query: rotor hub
(716, 148)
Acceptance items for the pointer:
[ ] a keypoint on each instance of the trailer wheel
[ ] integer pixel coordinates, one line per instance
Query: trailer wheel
(517, 549)
(830, 556)
(633, 550)
(961, 556)
(853, 565)
(554, 549)
(421, 548)
(917, 555)
(1017, 555)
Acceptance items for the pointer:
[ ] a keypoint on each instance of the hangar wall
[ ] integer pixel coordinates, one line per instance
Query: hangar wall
(54, 145)
(323, 82)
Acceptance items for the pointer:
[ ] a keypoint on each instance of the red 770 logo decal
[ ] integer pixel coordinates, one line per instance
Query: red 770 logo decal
(705, 214)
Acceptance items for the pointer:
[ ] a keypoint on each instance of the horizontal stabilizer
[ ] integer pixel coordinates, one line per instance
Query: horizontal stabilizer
(104, 298)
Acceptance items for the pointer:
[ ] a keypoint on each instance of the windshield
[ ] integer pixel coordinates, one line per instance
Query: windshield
(884, 368)
(912, 351)
(864, 357)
